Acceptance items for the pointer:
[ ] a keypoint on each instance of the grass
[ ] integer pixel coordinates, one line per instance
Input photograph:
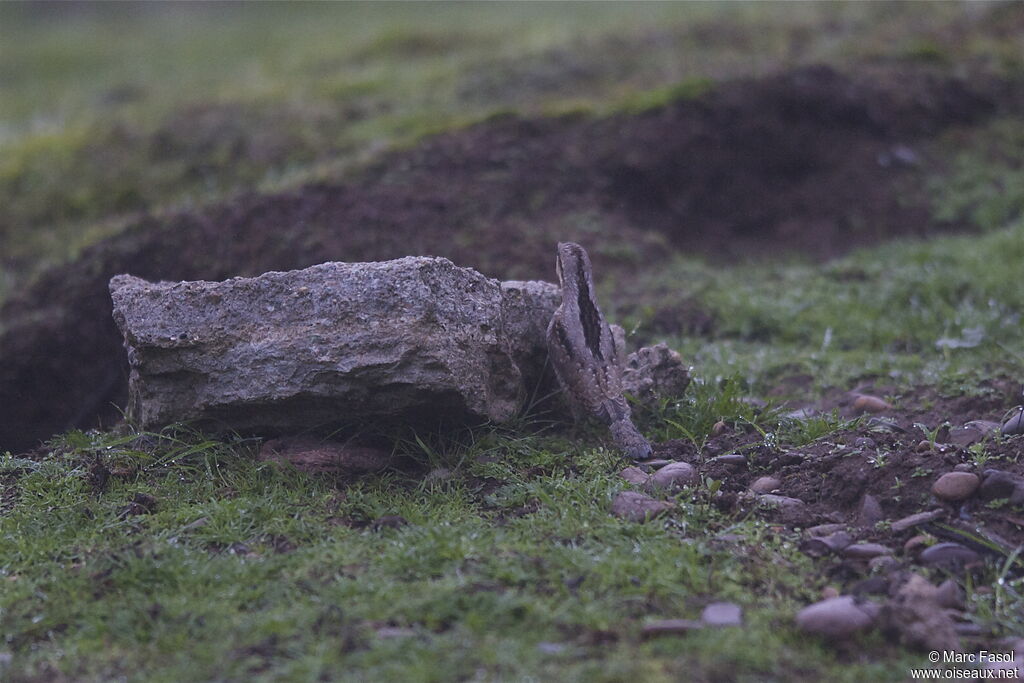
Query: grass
(245, 569)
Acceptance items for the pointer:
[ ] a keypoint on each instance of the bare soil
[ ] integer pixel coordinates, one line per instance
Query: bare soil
(812, 161)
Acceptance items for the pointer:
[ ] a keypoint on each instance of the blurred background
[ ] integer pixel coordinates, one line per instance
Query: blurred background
(206, 140)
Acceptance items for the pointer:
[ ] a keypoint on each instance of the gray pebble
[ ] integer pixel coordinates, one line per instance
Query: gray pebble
(765, 485)
(955, 486)
(951, 556)
(731, 459)
(913, 520)
(636, 507)
(635, 475)
(837, 618)
(865, 551)
(1014, 425)
(722, 614)
(674, 476)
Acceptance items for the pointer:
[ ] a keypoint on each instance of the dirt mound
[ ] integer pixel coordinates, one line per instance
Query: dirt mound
(813, 161)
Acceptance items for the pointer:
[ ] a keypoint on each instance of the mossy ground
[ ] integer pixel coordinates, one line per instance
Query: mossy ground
(511, 567)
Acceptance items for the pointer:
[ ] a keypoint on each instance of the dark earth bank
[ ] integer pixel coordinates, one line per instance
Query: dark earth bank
(812, 161)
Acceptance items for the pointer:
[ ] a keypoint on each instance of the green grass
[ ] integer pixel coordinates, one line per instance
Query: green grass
(246, 569)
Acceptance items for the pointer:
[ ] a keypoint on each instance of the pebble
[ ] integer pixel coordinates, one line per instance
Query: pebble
(965, 436)
(722, 614)
(674, 476)
(829, 592)
(819, 546)
(950, 556)
(1015, 425)
(636, 507)
(823, 530)
(765, 485)
(731, 459)
(635, 475)
(870, 512)
(954, 486)
(837, 618)
(865, 551)
(883, 563)
(964, 467)
(866, 403)
(800, 414)
(780, 501)
(913, 520)
(864, 442)
(915, 542)
(663, 627)
(923, 446)
(1001, 484)
(719, 428)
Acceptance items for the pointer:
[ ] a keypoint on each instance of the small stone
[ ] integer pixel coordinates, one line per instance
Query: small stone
(949, 595)
(800, 414)
(722, 614)
(819, 546)
(865, 551)
(765, 485)
(823, 530)
(719, 428)
(965, 436)
(1001, 484)
(734, 459)
(837, 618)
(923, 446)
(870, 512)
(915, 543)
(1014, 425)
(963, 467)
(870, 404)
(913, 520)
(635, 475)
(864, 442)
(780, 501)
(954, 486)
(949, 556)
(674, 476)
(636, 507)
(883, 563)
(829, 592)
(663, 627)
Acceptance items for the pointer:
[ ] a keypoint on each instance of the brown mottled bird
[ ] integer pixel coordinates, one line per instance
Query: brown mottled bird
(585, 356)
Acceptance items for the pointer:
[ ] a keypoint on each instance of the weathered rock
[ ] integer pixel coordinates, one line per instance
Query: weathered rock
(722, 614)
(819, 546)
(823, 530)
(949, 556)
(870, 512)
(733, 459)
(954, 486)
(635, 475)
(315, 455)
(837, 618)
(865, 551)
(674, 476)
(1001, 484)
(655, 372)
(636, 507)
(965, 436)
(914, 520)
(883, 564)
(337, 341)
(865, 403)
(765, 484)
(949, 595)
